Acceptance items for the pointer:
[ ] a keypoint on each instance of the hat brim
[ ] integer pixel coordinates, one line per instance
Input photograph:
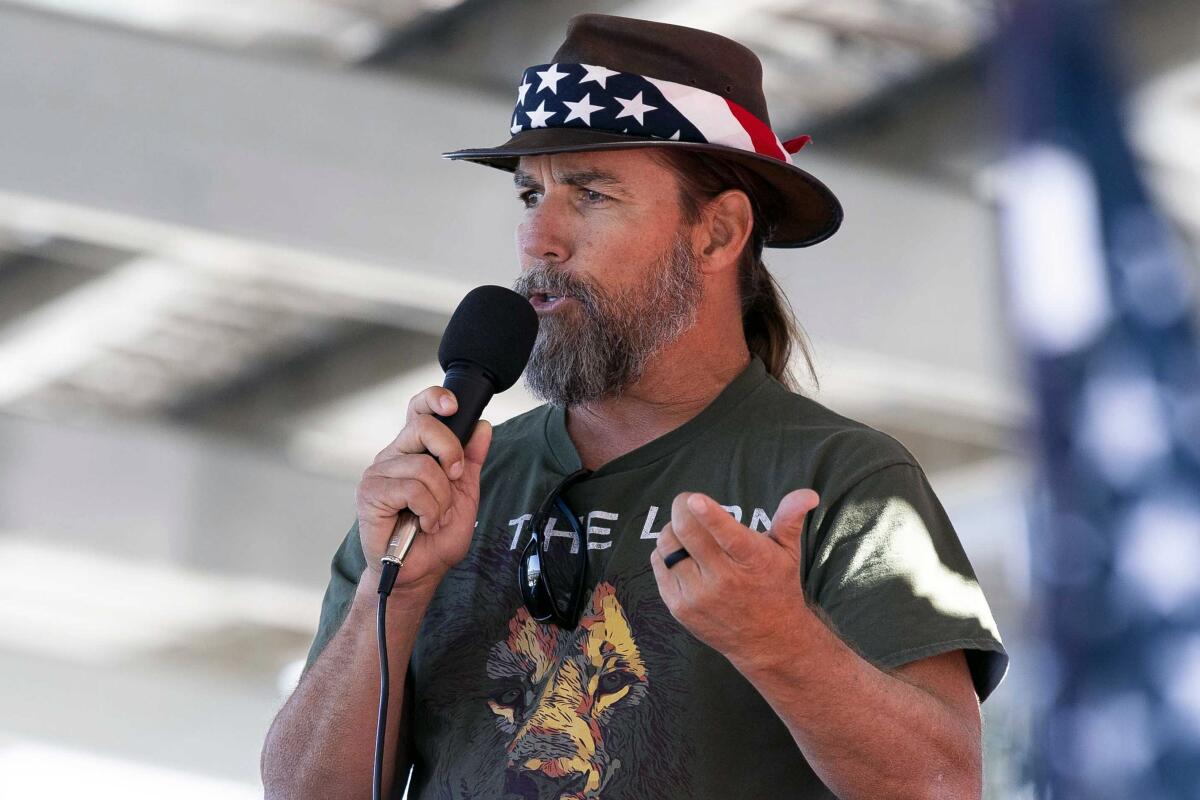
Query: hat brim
(813, 212)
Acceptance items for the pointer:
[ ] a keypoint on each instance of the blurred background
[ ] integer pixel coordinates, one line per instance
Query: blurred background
(228, 247)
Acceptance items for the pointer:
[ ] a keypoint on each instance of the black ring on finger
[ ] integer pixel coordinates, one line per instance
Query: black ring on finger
(674, 558)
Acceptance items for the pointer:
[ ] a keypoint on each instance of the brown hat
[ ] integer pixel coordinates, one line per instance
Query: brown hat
(618, 83)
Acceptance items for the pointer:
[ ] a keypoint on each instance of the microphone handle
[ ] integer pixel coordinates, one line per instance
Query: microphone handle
(473, 389)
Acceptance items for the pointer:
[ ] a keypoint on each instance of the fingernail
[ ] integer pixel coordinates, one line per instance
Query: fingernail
(696, 503)
(446, 403)
(456, 470)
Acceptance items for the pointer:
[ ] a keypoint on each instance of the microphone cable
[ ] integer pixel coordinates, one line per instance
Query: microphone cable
(386, 581)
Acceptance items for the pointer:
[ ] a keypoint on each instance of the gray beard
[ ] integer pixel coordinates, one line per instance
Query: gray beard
(601, 348)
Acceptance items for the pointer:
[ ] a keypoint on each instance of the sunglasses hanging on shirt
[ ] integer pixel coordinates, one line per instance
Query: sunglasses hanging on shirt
(553, 580)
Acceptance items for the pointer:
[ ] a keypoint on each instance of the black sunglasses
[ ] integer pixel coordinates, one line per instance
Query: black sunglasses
(547, 603)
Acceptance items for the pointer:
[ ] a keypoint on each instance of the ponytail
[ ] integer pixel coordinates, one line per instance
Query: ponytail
(768, 321)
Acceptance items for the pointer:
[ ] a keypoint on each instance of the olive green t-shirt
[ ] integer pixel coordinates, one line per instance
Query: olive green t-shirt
(629, 704)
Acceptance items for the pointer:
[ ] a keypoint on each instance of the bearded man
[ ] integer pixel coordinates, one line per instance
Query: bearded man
(677, 578)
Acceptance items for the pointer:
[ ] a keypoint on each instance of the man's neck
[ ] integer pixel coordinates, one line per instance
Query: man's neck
(678, 384)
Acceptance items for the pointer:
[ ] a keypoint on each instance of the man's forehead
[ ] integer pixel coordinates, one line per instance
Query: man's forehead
(618, 166)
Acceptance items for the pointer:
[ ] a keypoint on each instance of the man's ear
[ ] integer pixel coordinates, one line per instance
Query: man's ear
(728, 222)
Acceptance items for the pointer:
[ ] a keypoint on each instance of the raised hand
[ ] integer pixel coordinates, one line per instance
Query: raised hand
(739, 587)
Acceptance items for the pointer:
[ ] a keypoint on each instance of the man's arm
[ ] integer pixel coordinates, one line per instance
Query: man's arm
(915, 733)
(322, 743)
(866, 733)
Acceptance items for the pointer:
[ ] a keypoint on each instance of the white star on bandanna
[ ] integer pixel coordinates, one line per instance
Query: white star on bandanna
(521, 90)
(516, 126)
(550, 78)
(597, 74)
(634, 107)
(537, 119)
(582, 110)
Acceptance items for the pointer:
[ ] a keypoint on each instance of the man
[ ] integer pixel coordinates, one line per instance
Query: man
(677, 578)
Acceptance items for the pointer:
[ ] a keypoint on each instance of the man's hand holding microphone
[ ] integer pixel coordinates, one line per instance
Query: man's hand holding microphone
(428, 471)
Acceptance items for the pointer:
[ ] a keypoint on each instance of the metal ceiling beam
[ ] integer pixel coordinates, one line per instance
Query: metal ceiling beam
(341, 163)
(934, 43)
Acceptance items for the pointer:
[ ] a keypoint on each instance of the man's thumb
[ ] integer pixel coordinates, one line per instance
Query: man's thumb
(477, 447)
(788, 522)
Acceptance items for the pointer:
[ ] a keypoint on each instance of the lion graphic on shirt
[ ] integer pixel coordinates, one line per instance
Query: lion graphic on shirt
(523, 709)
(574, 704)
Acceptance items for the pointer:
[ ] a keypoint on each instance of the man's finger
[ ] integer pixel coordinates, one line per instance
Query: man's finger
(434, 400)
(477, 446)
(668, 546)
(475, 453)
(420, 468)
(667, 580)
(692, 534)
(667, 542)
(379, 499)
(733, 538)
(787, 525)
(425, 433)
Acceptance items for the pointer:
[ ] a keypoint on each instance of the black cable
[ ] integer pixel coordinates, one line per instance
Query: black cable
(386, 581)
(381, 726)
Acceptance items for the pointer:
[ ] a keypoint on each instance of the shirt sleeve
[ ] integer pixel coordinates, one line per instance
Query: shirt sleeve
(344, 571)
(890, 574)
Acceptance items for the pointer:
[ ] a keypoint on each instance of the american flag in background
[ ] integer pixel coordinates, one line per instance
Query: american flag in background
(1098, 295)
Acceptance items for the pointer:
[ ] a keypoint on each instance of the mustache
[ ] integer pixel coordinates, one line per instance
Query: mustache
(542, 278)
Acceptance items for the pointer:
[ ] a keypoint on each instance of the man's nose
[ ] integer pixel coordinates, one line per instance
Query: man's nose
(544, 234)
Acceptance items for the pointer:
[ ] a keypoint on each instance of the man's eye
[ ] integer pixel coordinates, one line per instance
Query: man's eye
(528, 198)
(593, 196)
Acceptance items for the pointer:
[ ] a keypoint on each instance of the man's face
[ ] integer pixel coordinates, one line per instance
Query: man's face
(607, 261)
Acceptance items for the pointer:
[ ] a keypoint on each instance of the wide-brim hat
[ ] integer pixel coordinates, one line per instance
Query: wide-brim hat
(618, 83)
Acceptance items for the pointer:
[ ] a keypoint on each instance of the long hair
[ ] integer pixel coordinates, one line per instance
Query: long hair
(768, 321)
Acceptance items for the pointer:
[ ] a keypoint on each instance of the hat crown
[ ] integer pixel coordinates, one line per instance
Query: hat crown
(673, 53)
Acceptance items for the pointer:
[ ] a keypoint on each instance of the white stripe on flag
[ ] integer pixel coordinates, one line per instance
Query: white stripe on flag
(708, 112)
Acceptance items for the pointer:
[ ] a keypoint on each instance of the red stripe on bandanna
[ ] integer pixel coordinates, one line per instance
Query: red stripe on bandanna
(764, 139)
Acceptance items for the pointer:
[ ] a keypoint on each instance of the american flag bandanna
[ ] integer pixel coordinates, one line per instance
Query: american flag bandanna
(590, 96)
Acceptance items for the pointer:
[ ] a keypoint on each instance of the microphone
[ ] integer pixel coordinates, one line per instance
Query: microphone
(484, 350)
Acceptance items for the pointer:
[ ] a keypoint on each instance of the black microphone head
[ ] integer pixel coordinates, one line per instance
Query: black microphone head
(492, 327)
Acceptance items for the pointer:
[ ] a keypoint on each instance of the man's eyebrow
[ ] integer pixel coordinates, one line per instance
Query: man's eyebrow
(522, 179)
(584, 177)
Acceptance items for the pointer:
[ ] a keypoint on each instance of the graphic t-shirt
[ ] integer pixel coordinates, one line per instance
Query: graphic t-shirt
(629, 704)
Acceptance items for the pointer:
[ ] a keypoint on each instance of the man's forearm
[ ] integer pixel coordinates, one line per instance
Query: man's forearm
(867, 734)
(322, 743)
